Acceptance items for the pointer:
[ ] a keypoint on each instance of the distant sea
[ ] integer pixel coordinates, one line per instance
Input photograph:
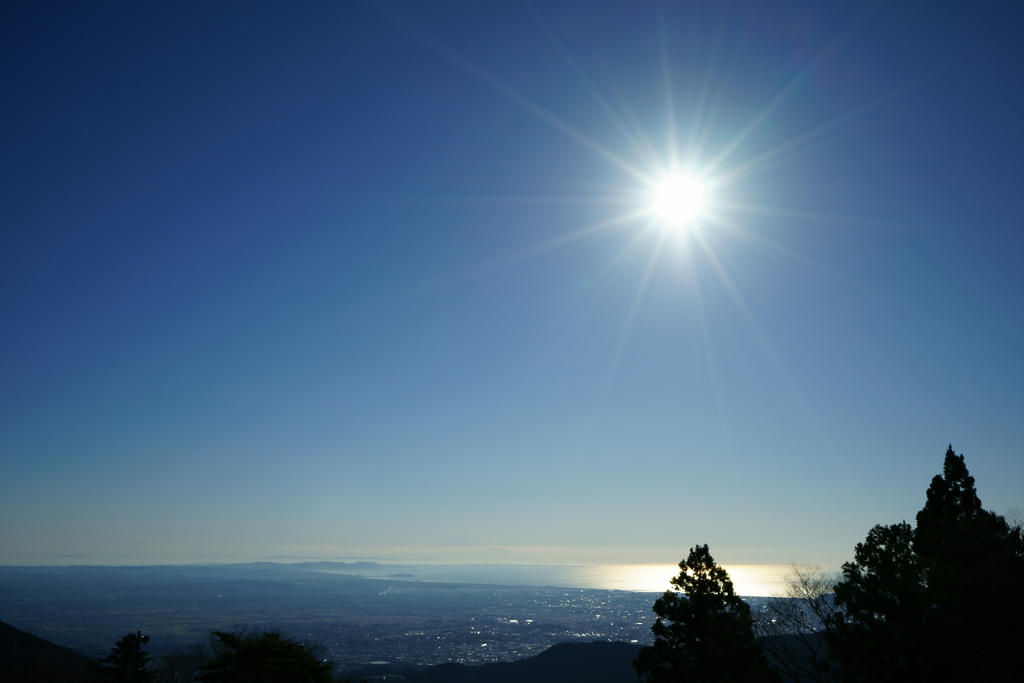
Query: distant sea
(749, 579)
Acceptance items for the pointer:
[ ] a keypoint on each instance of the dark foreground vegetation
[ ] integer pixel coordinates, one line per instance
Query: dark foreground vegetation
(938, 600)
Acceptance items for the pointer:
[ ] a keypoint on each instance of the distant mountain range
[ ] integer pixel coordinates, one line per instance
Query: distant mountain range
(313, 566)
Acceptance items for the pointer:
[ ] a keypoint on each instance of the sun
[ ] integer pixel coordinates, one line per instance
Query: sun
(679, 200)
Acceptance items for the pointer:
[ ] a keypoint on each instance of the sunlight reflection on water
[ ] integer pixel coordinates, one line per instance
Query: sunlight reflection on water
(749, 579)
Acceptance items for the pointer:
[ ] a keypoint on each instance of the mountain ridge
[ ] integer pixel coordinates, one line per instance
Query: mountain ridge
(593, 662)
(27, 657)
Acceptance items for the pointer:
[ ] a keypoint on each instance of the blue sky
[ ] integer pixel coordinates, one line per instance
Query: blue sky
(354, 279)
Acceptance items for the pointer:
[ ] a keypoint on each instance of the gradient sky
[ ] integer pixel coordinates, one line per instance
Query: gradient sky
(380, 279)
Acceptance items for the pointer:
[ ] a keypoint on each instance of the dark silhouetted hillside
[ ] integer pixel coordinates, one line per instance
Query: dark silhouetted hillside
(597, 662)
(26, 658)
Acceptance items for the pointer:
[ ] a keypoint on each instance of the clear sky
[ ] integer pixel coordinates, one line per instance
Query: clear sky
(337, 279)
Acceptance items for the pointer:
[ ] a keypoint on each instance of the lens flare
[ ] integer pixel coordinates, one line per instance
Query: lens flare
(679, 200)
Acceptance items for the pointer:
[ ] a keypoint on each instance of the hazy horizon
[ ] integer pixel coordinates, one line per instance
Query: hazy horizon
(748, 580)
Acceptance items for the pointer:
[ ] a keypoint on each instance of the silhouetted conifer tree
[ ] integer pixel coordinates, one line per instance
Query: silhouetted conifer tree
(942, 601)
(265, 657)
(126, 662)
(878, 633)
(704, 633)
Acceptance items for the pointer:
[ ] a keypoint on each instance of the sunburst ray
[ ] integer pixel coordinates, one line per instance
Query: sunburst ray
(468, 66)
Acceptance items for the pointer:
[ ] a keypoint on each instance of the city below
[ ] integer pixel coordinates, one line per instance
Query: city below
(396, 619)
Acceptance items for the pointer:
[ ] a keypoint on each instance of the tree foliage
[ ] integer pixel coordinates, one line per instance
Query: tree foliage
(264, 657)
(703, 631)
(930, 603)
(879, 632)
(126, 663)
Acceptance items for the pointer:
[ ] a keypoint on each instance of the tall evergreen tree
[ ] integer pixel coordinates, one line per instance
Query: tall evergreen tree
(878, 633)
(703, 633)
(126, 662)
(973, 564)
(931, 603)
